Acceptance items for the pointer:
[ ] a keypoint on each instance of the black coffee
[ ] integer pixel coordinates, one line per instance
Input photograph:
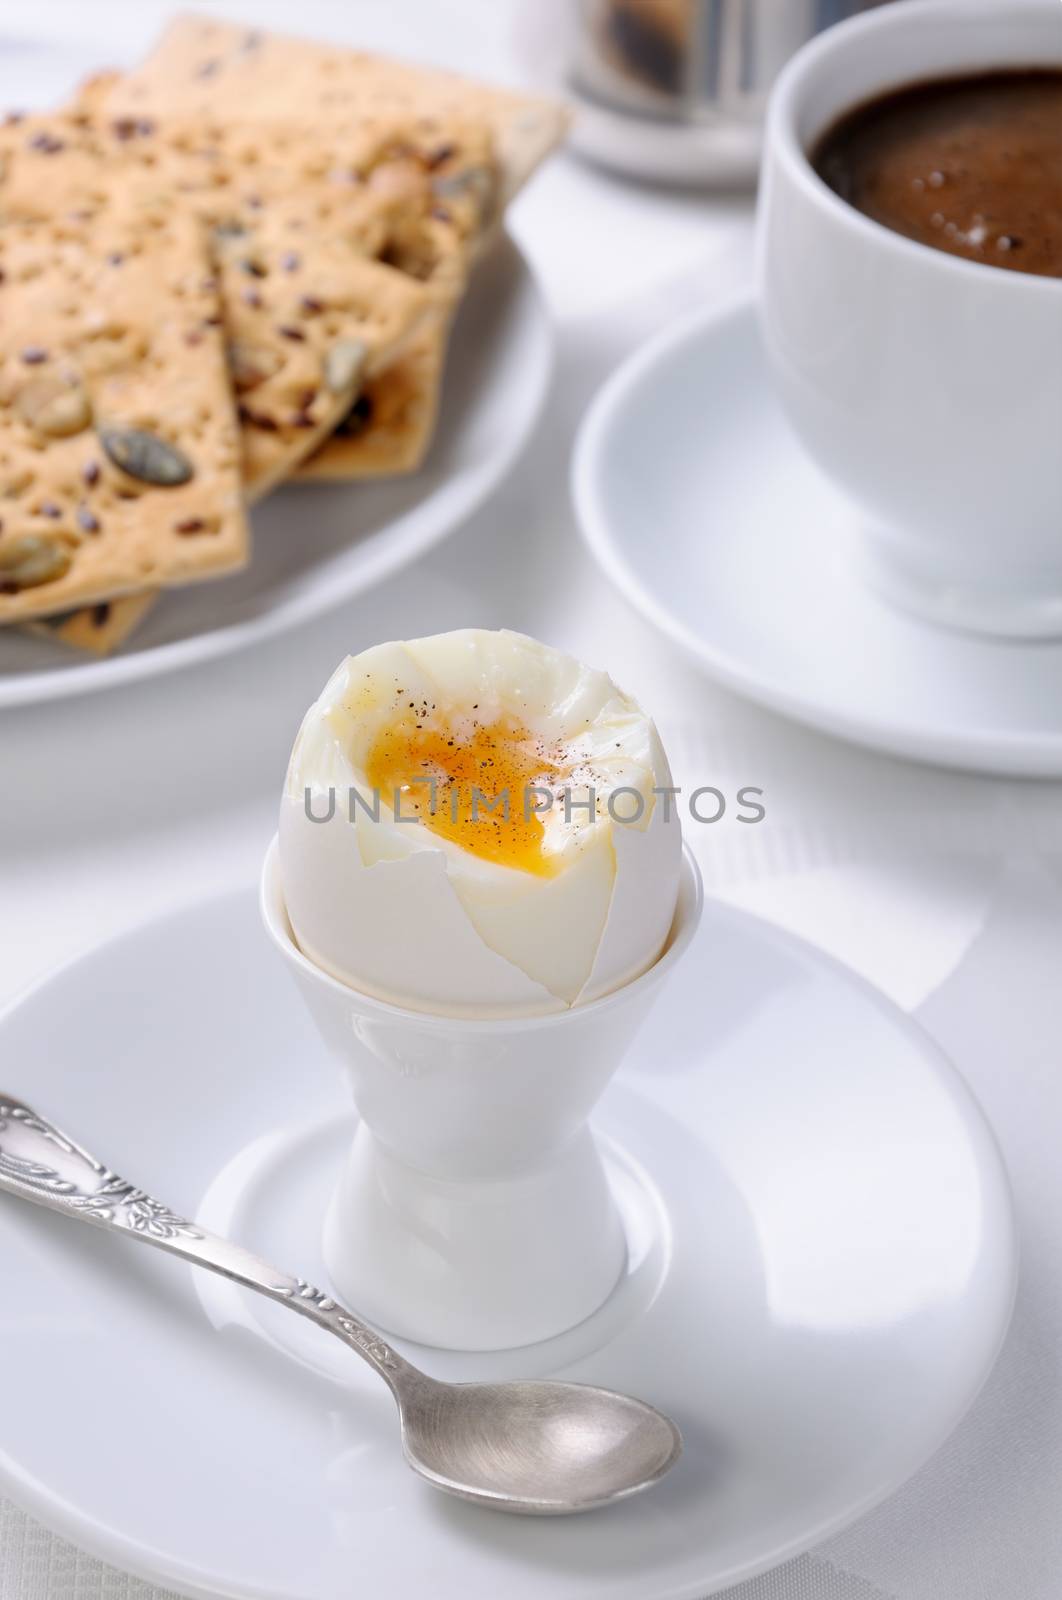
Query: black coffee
(970, 165)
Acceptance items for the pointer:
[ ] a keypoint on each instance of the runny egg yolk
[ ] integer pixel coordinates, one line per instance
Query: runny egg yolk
(482, 795)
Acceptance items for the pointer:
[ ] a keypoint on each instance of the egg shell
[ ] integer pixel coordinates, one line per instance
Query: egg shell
(397, 925)
(642, 906)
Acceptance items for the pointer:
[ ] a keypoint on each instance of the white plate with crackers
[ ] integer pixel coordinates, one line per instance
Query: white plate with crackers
(200, 305)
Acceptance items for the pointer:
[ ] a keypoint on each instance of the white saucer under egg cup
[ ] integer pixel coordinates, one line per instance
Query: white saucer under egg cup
(474, 1212)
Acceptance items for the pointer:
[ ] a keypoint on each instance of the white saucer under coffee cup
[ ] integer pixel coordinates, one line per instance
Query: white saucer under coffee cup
(474, 1212)
(927, 386)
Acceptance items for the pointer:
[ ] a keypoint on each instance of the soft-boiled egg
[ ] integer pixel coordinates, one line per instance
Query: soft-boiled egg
(475, 824)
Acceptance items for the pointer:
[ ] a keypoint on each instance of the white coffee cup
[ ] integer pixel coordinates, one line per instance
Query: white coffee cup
(928, 387)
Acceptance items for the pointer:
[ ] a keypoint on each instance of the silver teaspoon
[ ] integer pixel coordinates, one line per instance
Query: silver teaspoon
(536, 1447)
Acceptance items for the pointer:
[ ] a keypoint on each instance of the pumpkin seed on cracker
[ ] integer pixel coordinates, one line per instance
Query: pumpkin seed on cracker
(344, 364)
(28, 562)
(145, 456)
(54, 407)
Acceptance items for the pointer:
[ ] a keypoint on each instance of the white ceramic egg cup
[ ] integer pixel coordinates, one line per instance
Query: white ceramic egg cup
(474, 1212)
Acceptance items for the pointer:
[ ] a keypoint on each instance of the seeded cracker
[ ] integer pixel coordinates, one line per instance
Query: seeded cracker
(201, 66)
(388, 429)
(118, 444)
(99, 628)
(281, 207)
(309, 306)
(434, 126)
(390, 426)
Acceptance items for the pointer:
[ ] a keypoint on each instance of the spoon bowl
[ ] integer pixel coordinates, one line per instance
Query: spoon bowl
(538, 1448)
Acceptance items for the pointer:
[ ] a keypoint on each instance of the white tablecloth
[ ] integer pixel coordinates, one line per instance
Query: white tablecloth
(945, 890)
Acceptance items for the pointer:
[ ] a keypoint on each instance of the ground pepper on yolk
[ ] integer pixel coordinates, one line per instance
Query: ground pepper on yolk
(473, 766)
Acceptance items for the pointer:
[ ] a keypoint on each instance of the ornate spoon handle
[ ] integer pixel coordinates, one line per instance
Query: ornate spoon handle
(39, 1162)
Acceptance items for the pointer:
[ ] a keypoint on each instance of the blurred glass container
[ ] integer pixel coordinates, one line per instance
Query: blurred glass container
(676, 89)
